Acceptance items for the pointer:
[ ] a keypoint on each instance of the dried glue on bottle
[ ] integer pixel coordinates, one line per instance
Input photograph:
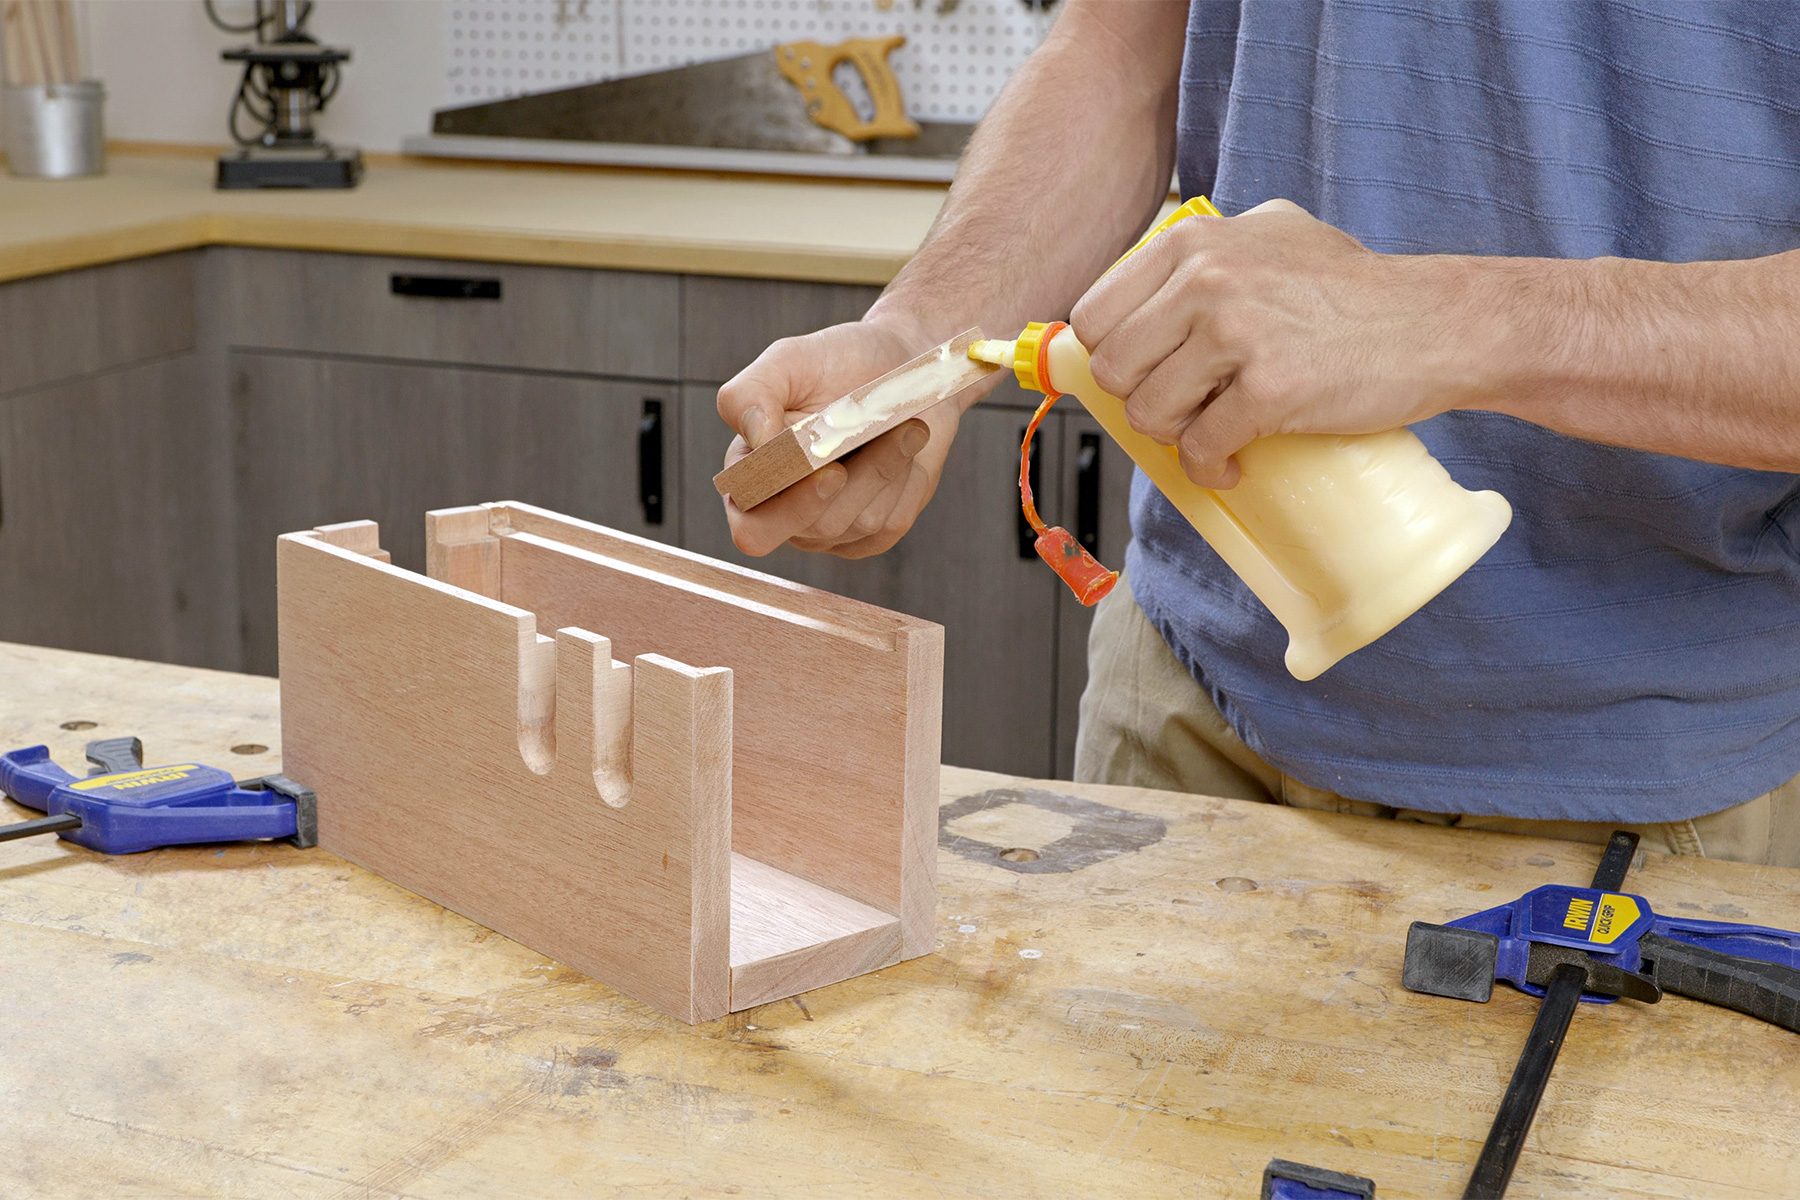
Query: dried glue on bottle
(1342, 537)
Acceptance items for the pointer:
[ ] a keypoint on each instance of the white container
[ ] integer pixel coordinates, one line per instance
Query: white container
(54, 131)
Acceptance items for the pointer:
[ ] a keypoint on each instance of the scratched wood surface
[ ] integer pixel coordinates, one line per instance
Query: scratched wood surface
(1173, 991)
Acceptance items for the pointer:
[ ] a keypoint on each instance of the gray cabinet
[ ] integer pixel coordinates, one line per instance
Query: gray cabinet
(726, 323)
(1096, 494)
(962, 565)
(443, 311)
(116, 505)
(78, 323)
(322, 440)
(163, 421)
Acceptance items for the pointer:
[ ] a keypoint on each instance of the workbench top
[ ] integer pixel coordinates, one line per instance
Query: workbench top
(1172, 991)
(681, 221)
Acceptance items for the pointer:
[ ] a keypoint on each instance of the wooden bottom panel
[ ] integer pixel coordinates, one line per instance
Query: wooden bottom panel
(790, 936)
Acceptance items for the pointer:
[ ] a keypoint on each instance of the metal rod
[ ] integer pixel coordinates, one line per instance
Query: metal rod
(1562, 996)
(40, 825)
(1620, 848)
(1500, 1154)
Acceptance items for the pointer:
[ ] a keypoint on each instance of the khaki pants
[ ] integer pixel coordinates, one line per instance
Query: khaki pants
(1146, 723)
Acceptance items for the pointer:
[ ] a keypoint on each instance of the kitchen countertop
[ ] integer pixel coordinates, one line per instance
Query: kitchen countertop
(678, 221)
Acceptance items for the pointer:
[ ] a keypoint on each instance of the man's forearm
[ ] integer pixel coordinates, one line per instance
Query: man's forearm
(1697, 359)
(1066, 170)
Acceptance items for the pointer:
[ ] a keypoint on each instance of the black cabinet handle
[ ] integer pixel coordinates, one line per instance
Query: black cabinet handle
(444, 287)
(1087, 493)
(1027, 535)
(650, 462)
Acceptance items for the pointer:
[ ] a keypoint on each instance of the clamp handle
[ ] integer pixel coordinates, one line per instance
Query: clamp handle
(114, 756)
(808, 66)
(1756, 987)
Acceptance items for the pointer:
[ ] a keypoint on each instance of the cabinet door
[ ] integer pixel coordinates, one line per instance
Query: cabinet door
(115, 517)
(324, 440)
(962, 566)
(74, 323)
(1096, 487)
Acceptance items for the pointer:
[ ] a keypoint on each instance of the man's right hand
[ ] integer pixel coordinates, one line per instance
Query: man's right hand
(863, 503)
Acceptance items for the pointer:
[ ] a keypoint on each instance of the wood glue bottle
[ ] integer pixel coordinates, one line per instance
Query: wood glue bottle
(1342, 537)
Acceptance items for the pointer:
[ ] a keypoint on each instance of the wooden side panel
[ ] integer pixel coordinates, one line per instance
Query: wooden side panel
(778, 463)
(923, 756)
(1000, 677)
(461, 552)
(851, 618)
(421, 715)
(788, 457)
(835, 763)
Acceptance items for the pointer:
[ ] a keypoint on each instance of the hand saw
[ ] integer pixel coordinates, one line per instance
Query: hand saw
(780, 99)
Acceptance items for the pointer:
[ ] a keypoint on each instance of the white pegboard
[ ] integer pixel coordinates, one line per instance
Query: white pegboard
(498, 48)
(956, 57)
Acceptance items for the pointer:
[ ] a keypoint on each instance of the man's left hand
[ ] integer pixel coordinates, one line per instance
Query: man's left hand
(1223, 330)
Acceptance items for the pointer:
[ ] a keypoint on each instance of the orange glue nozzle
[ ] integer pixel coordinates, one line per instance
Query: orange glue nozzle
(1075, 566)
(1055, 545)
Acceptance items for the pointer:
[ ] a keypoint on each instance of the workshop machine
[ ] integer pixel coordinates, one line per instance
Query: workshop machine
(288, 80)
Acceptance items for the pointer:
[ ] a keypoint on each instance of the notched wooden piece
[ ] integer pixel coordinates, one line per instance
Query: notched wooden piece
(852, 421)
(644, 817)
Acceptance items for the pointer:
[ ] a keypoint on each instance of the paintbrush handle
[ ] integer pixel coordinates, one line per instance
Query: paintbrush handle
(43, 41)
(9, 40)
(19, 56)
(67, 40)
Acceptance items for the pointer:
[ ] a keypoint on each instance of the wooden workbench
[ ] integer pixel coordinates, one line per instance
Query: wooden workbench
(1174, 991)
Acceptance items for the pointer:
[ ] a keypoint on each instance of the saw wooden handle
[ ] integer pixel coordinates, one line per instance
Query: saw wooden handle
(808, 66)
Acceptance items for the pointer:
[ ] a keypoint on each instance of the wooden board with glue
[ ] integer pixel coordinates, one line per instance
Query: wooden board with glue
(1134, 993)
(853, 421)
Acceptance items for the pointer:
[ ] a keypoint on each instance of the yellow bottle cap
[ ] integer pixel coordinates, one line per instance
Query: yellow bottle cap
(1025, 356)
(1199, 206)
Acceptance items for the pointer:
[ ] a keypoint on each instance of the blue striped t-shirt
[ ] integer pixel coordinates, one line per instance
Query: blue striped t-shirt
(1630, 651)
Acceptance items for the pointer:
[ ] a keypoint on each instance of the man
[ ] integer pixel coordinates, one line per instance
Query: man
(1558, 237)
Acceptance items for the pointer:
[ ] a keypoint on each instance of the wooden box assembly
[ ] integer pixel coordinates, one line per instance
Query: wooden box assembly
(743, 809)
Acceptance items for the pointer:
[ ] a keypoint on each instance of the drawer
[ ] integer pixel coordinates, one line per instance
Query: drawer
(726, 323)
(435, 310)
(74, 323)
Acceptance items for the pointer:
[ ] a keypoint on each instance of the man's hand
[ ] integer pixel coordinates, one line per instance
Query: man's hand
(863, 503)
(1224, 330)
